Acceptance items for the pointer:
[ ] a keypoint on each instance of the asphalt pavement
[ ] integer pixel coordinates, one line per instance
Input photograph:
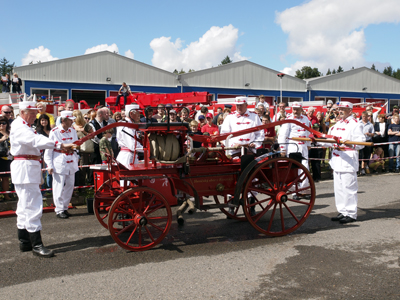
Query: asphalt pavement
(211, 257)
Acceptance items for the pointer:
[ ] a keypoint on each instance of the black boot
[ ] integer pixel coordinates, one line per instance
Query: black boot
(38, 248)
(24, 241)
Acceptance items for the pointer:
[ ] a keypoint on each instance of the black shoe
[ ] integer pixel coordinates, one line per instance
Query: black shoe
(347, 220)
(338, 217)
(38, 248)
(67, 213)
(24, 241)
(62, 215)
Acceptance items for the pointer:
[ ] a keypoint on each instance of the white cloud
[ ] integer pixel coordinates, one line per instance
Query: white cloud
(41, 54)
(102, 47)
(329, 33)
(129, 54)
(208, 51)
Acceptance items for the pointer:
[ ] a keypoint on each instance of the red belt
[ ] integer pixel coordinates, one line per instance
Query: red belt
(28, 157)
(126, 149)
(61, 151)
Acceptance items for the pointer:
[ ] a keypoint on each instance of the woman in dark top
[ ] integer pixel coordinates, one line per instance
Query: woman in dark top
(43, 128)
(5, 158)
(6, 84)
(16, 84)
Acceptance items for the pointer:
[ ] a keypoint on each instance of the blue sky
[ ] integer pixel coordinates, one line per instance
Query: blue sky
(281, 35)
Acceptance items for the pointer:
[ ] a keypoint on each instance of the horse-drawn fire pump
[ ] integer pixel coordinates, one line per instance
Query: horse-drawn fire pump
(135, 204)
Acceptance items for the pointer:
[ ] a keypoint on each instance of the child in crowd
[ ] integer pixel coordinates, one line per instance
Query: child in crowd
(377, 160)
(105, 145)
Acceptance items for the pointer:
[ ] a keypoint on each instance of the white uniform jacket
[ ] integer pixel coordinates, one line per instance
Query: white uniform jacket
(235, 122)
(290, 130)
(62, 163)
(346, 160)
(128, 145)
(24, 141)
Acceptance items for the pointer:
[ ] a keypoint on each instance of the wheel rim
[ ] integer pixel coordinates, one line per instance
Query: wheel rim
(235, 213)
(139, 219)
(274, 211)
(101, 206)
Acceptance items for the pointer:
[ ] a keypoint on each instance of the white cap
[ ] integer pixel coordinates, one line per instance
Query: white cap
(345, 104)
(27, 105)
(34, 97)
(67, 114)
(297, 104)
(329, 102)
(241, 100)
(130, 107)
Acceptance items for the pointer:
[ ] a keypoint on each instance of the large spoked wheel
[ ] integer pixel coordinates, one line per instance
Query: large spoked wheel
(279, 196)
(104, 197)
(139, 219)
(232, 212)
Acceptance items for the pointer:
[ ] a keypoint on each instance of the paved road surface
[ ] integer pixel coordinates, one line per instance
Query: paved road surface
(215, 258)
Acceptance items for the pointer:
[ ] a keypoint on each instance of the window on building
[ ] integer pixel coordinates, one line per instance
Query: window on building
(92, 97)
(326, 99)
(393, 102)
(48, 93)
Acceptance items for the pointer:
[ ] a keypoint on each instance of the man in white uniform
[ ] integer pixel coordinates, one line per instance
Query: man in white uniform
(26, 175)
(287, 146)
(344, 163)
(62, 165)
(126, 138)
(240, 120)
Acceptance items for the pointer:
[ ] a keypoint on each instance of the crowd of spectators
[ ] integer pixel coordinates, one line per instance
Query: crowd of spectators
(379, 128)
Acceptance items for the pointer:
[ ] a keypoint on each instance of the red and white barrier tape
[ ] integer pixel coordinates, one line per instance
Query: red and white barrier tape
(45, 190)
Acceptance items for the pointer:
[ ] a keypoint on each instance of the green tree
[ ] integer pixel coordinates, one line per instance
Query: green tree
(226, 60)
(388, 71)
(329, 72)
(396, 74)
(373, 67)
(191, 70)
(6, 67)
(182, 72)
(307, 72)
(175, 71)
(339, 69)
(334, 71)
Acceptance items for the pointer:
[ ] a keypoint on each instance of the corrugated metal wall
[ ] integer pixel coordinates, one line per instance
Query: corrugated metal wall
(236, 75)
(95, 68)
(356, 80)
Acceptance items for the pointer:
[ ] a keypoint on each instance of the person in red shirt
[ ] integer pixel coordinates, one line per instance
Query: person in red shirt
(270, 134)
(310, 115)
(209, 126)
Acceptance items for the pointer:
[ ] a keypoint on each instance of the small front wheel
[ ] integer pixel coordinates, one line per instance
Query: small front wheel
(139, 219)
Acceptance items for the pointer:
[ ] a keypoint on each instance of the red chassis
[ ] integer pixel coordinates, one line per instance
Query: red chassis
(135, 204)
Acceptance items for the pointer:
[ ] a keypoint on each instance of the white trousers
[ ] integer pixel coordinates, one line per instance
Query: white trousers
(30, 206)
(305, 183)
(346, 187)
(63, 187)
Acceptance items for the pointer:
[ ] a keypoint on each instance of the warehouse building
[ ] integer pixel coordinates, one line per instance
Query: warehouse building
(93, 77)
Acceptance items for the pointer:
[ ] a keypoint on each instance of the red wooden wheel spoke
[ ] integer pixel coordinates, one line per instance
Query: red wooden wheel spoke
(148, 232)
(282, 218)
(125, 229)
(290, 211)
(154, 209)
(132, 234)
(254, 189)
(287, 173)
(272, 218)
(267, 180)
(150, 201)
(265, 210)
(155, 226)
(294, 181)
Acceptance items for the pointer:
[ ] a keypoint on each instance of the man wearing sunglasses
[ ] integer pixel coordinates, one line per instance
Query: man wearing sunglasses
(6, 112)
